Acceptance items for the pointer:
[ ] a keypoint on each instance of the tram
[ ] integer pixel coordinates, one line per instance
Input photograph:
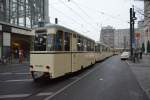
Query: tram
(59, 51)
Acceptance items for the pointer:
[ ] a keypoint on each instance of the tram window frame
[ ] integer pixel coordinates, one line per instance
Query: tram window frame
(59, 40)
(92, 46)
(74, 36)
(85, 44)
(80, 46)
(67, 37)
(51, 42)
(88, 46)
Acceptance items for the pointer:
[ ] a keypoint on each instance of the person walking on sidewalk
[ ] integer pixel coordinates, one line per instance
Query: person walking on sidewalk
(140, 52)
(20, 56)
(136, 56)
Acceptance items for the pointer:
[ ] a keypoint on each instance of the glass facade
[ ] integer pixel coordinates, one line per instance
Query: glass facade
(25, 13)
(1, 44)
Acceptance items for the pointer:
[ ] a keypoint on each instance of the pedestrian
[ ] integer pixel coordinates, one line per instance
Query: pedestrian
(20, 56)
(140, 53)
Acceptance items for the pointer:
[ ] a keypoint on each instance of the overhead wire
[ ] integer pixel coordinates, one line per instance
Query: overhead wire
(77, 14)
(69, 17)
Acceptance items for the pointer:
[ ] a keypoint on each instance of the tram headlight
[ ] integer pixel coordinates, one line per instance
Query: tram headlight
(31, 66)
(47, 67)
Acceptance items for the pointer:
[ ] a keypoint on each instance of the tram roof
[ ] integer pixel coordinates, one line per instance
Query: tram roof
(63, 28)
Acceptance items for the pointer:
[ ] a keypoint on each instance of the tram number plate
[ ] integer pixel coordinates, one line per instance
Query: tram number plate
(38, 65)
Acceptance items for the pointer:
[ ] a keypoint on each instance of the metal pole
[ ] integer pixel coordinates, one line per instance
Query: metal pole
(131, 49)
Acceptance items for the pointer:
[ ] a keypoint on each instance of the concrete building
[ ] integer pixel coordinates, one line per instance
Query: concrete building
(107, 36)
(122, 39)
(25, 13)
(146, 22)
(140, 31)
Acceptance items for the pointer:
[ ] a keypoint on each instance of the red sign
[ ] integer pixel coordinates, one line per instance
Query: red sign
(137, 35)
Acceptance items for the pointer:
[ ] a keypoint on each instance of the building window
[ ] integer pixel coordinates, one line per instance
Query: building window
(1, 44)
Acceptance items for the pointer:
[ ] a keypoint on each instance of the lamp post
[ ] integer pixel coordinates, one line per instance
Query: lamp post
(132, 39)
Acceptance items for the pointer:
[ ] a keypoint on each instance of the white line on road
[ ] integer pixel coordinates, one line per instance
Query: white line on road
(67, 86)
(19, 80)
(44, 94)
(10, 73)
(127, 62)
(13, 96)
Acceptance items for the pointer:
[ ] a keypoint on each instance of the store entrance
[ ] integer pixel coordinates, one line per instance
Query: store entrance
(20, 42)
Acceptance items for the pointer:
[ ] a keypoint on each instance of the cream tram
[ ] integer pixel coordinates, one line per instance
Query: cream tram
(59, 51)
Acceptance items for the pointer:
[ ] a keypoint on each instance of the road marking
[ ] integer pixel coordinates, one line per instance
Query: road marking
(127, 62)
(20, 80)
(44, 94)
(10, 73)
(13, 96)
(101, 79)
(67, 86)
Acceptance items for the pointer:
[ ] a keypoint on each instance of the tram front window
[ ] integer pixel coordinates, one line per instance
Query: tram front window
(40, 42)
(52, 42)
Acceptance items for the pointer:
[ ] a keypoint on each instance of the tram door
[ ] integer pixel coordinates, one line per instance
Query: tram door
(74, 53)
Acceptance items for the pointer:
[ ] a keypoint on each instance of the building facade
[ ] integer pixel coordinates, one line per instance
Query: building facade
(13, 38)
(122, 38)
(146, 22)
(107, 36)
(140, 34)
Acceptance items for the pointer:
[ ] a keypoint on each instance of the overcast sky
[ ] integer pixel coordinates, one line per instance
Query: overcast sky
(88, 16)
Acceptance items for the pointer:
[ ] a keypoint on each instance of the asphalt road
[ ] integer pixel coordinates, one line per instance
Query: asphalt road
(108, 80)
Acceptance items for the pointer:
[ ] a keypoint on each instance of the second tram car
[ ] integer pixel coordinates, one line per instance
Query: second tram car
(59, 51)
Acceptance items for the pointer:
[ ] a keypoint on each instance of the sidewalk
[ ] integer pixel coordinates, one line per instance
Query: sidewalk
(142, 72)
(15, 67)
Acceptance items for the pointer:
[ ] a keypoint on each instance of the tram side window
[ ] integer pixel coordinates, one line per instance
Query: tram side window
(97, 48)
(88, 45)
(82, 43)
(59, 41)
(50, 42)
(92, 46)
(85, 44)
(79, 44)
(100, 48)
(67, 41)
